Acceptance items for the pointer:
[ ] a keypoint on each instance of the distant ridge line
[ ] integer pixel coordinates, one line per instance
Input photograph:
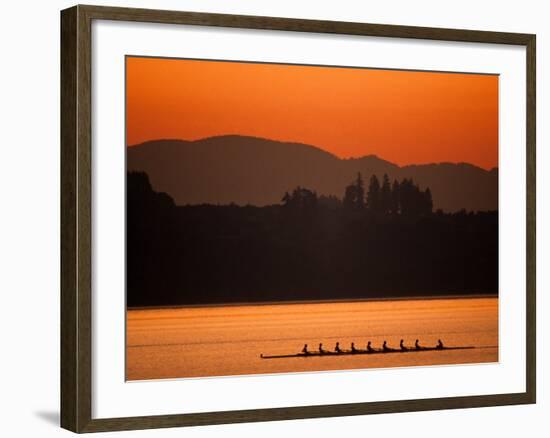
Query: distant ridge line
(246, 170)
(299, 143)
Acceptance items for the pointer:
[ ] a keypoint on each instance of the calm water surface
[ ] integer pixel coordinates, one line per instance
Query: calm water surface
(221, 341)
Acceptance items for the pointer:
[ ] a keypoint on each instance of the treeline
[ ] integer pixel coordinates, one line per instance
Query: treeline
(382, 241)
(400, 198)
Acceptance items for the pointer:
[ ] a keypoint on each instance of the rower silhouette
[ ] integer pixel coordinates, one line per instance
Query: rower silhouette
(304, 350)
(321, 349)
(337, 348)
(439, 345)
(385, 346)
(369, 347)
(417, 345)
(353, 349)
(402, 345)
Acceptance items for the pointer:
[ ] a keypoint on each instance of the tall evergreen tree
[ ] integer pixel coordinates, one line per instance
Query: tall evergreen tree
(349, 197)
(354, 196)
(385, 195)
(414, 202)
(428, 201)
(373, 195)
(406, 197)
(395, 208)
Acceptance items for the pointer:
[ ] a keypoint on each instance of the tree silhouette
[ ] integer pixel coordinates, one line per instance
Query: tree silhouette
(349, 197)
(306, 247)
(373, 195)
(429, 205)
(386, 195)
(354, 196)
(412, 201)
(300, 199)
(286, 199)
(395, 203)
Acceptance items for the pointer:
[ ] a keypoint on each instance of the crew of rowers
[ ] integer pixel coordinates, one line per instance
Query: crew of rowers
(370, 349)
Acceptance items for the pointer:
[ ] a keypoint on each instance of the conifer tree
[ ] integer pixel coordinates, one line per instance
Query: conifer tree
(373, 195)
(395, 207)
(385, 195)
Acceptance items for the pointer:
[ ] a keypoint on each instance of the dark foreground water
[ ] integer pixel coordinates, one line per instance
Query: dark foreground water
(222, 341)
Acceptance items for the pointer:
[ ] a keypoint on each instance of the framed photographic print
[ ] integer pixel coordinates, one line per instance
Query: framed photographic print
(325, 218)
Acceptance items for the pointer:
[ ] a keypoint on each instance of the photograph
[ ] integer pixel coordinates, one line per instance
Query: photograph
(286, 218)
(275, 219)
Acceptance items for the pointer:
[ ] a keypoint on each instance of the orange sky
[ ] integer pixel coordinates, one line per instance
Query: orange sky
(401, 116)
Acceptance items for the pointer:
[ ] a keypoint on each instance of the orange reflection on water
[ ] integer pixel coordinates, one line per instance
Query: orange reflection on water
(221, 341)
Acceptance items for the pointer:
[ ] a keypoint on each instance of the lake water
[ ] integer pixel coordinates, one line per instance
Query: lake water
(222, 341)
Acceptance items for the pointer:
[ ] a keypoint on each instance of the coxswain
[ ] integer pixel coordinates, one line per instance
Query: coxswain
(439, 345)
(417, 345)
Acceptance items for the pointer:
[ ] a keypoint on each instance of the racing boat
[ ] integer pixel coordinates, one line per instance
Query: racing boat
(363, 352)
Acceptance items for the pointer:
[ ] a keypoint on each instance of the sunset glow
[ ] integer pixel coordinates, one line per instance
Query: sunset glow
(401, 116)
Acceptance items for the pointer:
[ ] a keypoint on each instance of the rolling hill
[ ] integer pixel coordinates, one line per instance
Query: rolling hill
(250, 170)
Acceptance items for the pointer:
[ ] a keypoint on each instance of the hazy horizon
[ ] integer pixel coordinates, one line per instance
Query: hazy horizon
(258, 171)
(287, 141)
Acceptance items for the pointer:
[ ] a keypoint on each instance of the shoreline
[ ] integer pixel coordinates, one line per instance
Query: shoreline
(297, 302)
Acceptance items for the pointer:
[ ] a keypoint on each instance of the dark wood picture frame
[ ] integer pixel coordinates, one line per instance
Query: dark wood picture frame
(76, 217)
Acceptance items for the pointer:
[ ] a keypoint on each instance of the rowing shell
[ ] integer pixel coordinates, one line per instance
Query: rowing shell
(360, 352)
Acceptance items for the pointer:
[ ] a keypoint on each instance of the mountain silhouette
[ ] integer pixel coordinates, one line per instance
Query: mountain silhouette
(257, 171)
